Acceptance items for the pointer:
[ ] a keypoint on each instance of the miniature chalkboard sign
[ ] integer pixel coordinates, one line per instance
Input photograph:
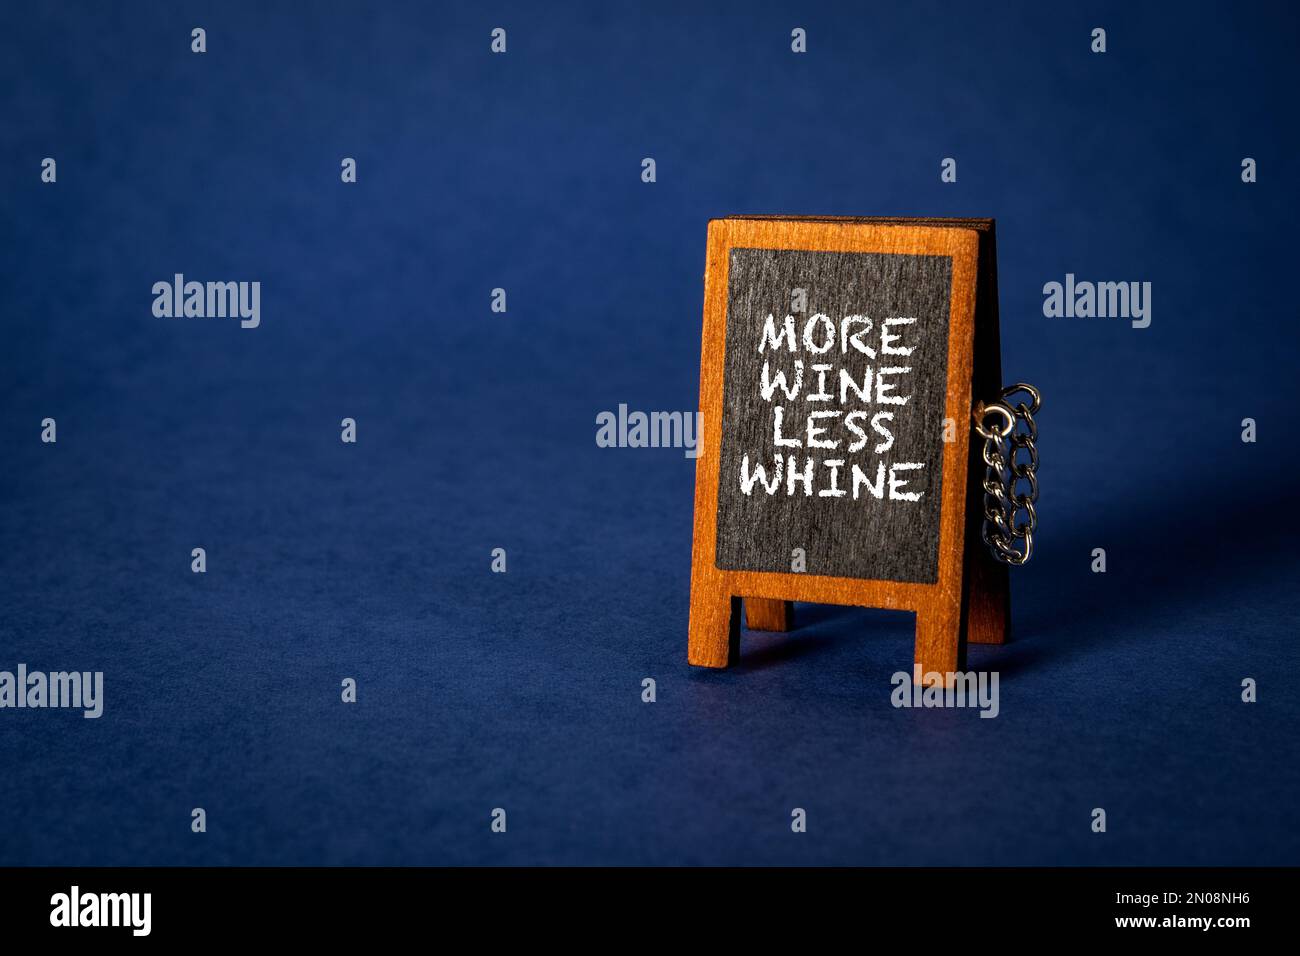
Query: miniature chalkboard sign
(839, 363)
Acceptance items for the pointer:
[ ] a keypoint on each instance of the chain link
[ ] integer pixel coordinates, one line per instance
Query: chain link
(1010, 480)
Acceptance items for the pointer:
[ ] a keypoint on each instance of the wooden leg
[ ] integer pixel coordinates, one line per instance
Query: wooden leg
(988, 592)
(714, 629)
(764, 614)
(988, 615)
(938, 640)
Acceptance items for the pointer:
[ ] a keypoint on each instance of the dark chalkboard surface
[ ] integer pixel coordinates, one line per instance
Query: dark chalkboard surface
(842, 359)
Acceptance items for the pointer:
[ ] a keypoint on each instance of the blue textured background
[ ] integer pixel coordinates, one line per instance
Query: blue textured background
(477, 431)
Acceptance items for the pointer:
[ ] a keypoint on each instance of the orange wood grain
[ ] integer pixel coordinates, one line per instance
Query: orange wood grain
(764, 615)
(940, 607)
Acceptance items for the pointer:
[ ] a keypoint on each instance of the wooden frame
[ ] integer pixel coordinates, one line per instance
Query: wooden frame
(969, 601)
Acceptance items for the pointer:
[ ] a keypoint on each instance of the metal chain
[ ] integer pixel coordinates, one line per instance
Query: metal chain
(1010, 538)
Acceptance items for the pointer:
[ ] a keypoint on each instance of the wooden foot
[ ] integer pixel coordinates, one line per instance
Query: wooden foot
(938, 640)
(714, 639)
(988, 614)
(764, 614)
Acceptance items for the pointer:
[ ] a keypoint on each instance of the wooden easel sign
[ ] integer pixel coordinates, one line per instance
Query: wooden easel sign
(839, 362)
